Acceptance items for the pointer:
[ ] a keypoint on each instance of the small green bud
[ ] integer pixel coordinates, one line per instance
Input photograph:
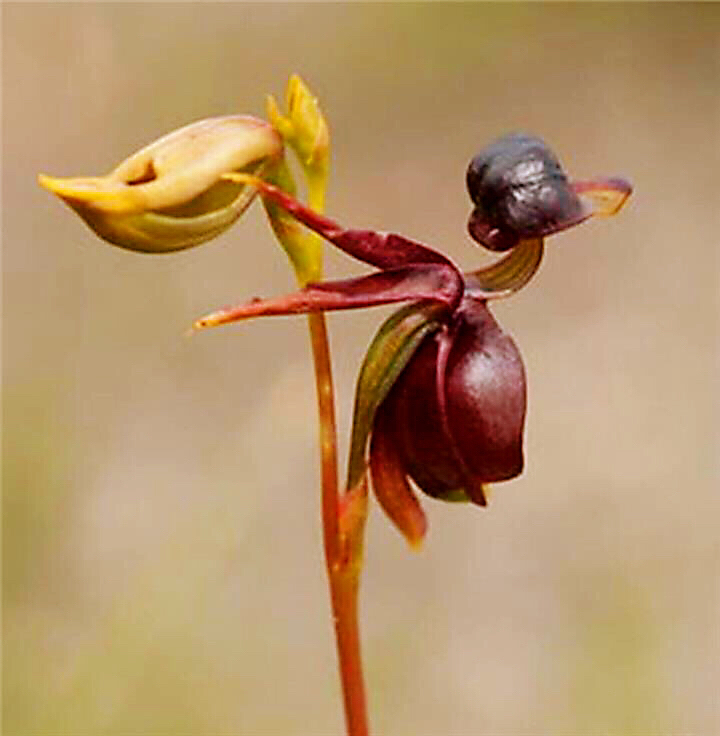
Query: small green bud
(171, 195)
(303, 127)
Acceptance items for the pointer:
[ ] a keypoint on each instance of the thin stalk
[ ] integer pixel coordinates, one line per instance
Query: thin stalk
(343, 515)
(343, 561)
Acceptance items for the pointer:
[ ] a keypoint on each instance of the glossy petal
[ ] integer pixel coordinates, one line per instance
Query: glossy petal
(467, 431)
(472, 485)
(428, 453)
(486, 396)
(520, 191)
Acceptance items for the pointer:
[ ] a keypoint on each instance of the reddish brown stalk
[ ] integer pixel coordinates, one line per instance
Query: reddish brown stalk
(342, 560)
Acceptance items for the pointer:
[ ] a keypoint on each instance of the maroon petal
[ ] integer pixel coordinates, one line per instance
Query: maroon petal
(433, 282)
(458, 408)
(486, 396)
(382, 250)
(418, 429)
(390, 483)
(472, 485)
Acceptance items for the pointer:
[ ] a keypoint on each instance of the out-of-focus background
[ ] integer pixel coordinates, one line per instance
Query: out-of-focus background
(162, 557)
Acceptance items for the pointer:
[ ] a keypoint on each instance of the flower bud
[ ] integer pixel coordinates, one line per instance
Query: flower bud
(303, 127)
(170, 195)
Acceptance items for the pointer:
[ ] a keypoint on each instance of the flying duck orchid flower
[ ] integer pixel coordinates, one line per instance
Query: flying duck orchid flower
(440, 399)
(441, 394)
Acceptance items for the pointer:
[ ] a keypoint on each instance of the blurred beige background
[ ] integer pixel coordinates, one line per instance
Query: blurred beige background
(162, 560)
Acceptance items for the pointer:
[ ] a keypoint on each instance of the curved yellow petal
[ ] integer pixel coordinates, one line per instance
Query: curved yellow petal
(171, 194)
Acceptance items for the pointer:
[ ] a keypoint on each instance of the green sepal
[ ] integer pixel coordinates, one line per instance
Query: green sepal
(304, 129)
(509, 274)
(392, 347)
(303, 248)
(456, 496)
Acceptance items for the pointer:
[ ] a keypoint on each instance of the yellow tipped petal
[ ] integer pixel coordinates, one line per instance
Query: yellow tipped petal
(606, 202)
(79, 188)
(242, 178)
(213, 319)
(99, 192)
(171, 194)
(282, 124)
(604, 196)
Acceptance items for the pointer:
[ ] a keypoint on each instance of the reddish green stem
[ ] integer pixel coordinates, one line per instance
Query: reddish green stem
(342, 555)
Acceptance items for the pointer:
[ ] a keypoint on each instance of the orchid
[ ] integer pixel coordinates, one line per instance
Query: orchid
(441, 394)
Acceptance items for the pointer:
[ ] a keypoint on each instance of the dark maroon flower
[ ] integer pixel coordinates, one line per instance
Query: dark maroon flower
(456, 412)
(441, 394)
(520, 191)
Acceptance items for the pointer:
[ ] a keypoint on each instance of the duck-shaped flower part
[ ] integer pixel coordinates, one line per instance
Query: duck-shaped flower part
(441, 394)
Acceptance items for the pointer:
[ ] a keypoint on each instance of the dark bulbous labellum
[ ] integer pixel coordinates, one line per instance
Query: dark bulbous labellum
(520, 191)
(467, 429)
(441, 393)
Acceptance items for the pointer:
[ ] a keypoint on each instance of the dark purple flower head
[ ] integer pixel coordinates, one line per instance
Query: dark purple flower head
(441, 394)
(456, 412)
(520, 191)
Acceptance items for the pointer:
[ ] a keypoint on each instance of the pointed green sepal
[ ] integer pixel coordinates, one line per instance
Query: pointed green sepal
(391, 349)
(303, 248)
(456, 496)
(304, 130)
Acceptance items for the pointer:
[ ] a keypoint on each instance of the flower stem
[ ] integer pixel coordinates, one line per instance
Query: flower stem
(343, 548)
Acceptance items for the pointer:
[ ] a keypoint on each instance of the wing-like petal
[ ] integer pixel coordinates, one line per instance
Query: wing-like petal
(427, 282)
(382, 250)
